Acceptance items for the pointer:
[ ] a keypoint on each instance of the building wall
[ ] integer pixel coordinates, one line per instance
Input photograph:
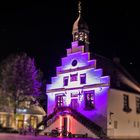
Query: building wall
(22, 120)
(6, 119)
(54, 125)
(99, 113)
(120, 123)
(93, 77)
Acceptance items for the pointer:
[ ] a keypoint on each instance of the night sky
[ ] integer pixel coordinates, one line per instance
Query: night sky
(43, 29)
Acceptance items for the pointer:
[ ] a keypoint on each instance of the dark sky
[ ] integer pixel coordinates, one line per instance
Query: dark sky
(42, 29)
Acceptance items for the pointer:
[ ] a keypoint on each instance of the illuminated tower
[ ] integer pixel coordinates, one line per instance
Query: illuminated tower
(80, 30)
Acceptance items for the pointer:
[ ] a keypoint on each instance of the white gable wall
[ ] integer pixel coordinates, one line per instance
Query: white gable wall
(128, 124)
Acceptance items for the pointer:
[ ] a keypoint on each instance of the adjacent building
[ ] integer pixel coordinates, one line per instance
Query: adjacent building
(26, 115)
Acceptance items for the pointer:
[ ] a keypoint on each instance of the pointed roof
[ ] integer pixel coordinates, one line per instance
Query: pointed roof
(80, 24)
(120, 77)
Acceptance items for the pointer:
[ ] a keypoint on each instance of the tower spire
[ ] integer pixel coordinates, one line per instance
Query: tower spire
(79, 7)
(80, 30)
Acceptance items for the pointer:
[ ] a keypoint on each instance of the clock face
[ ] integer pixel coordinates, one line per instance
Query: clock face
(74, 62)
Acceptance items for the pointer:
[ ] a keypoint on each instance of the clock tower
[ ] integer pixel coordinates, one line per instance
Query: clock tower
(80, 30)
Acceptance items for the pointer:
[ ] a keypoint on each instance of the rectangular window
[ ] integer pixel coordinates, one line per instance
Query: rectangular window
(65, 80)
(115, 124)
(73, 77)
(3, 120)
(83, 78)
(134, 124)
(137, 104)
(126, 107)
(138, 124)
(59, 100)
(89, 100)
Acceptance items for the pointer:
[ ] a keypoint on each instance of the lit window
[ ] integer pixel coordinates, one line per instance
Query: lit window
(65, 81)
(3, 120)
(59, 100)
(137, 104)
(126, 107)
(81, 36)
(82, 78)
(33, 121)
(89, 100)
(73, 77)
(75, 36)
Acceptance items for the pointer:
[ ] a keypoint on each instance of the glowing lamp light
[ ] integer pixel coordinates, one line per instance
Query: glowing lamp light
(60, 124)
(21, 110)
(68, 123)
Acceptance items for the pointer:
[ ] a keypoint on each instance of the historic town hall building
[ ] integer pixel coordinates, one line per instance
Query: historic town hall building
(92, 95)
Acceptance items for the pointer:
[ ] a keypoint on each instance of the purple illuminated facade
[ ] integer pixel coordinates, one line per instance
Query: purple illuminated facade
(78, 91)
(83, 99)
(80, 86)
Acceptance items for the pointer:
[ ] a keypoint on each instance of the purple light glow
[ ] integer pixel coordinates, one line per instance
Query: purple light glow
(74, 91)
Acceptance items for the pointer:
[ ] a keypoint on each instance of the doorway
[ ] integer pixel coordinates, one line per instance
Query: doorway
(74, 103)
(65, 124)
(20, 124)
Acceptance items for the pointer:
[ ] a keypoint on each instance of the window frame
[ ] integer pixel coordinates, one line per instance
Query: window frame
(126, 107)
(65, 80)
(61, 101)
(138, 105)
(81, 76)
(88, 102)
(74, 79)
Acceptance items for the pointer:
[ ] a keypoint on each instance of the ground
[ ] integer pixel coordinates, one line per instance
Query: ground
(4, 136)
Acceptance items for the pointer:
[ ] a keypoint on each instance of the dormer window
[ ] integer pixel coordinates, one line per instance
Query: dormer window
(73, 77)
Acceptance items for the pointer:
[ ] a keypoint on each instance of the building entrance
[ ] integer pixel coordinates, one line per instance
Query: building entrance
(74, 103)
(65, 125)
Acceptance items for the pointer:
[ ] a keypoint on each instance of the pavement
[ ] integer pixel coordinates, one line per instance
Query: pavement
(5, 136)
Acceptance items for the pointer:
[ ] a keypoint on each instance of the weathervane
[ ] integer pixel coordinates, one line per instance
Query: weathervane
(79, 7)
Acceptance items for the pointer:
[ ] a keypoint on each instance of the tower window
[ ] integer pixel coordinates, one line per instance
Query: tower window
(81, 36)
(83, 78)
(59, 100)
(89, 100)
(75, 36)
(73, 77)
(65, 80)
(137, 104)
(126, 107)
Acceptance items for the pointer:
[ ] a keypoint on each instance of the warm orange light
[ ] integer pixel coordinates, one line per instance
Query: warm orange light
(60, 125)
(68, 126)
